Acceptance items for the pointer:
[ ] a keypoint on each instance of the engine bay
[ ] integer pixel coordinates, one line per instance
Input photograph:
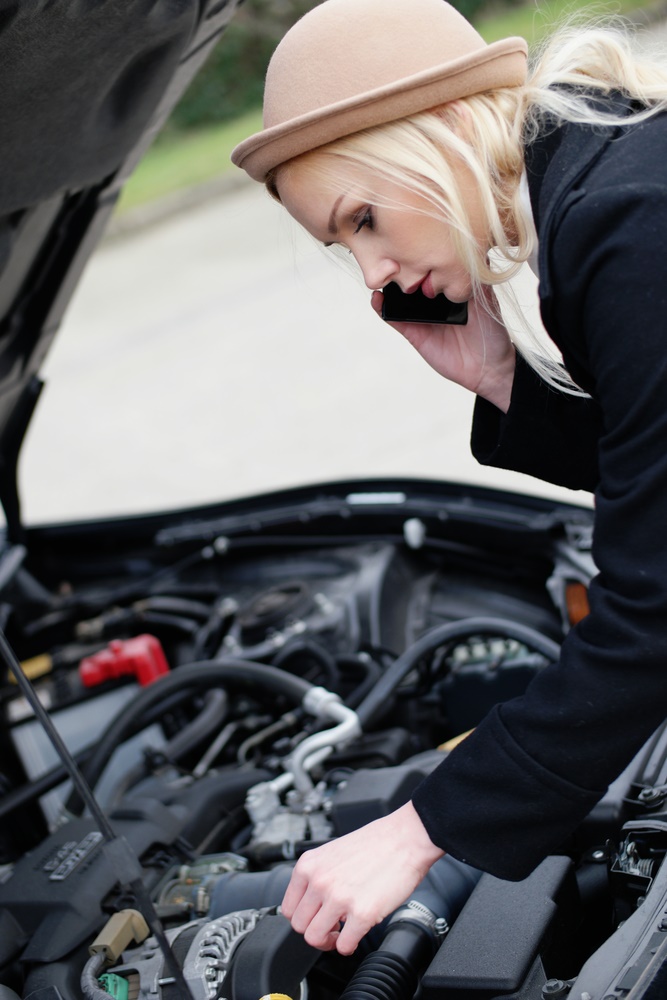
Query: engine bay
(240, 688)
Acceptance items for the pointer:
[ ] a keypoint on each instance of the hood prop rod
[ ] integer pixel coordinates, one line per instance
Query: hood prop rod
(120, 855)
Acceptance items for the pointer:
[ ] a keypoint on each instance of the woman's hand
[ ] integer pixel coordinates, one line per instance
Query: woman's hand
(357, 880)
(479, 356)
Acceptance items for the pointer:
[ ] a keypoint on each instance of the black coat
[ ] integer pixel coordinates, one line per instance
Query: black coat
(520, 784)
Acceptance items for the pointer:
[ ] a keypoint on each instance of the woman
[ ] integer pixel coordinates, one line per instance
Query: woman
(393, 130)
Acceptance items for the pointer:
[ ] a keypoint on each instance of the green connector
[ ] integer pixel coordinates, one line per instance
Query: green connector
(115, 986)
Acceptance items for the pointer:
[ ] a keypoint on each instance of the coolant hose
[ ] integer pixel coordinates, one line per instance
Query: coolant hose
(379, 698)
(224, 672)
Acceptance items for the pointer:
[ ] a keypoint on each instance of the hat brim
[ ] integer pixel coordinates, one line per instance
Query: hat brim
(501, 64)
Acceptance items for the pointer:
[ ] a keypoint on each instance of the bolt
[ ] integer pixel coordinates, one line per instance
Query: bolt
(555, 988)
(651, 796)
(441, 927)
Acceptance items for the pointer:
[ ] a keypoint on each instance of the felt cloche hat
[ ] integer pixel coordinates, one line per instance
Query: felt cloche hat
(348, 65)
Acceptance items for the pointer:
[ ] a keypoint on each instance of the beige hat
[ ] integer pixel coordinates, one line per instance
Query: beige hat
(351, 64)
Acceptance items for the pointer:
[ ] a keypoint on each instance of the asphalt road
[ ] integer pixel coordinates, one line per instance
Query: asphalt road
(222, 353)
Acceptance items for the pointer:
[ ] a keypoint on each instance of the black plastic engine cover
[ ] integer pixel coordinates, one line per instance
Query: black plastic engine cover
(502, 929)
(56, 892)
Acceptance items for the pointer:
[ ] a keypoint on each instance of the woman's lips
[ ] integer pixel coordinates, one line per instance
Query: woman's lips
(427, 287)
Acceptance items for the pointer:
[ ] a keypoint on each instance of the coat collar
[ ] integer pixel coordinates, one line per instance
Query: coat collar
(555, 162)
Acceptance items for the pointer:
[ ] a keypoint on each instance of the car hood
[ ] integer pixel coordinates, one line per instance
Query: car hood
(85, 88)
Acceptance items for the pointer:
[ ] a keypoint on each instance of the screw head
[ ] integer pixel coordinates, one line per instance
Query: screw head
(651, 796)
(554, 988)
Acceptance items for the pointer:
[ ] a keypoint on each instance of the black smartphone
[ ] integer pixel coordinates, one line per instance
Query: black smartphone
(417, 308)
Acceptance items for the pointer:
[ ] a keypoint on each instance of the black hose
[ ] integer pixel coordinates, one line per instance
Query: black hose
(209, 634)
(394, 969)
(207, 722)
(25, 794)
(166, 604)
(379, 698)
(196, 676)
(371, 670)
(305, 649)
(213, 713)
(393, 972)
(55, 776)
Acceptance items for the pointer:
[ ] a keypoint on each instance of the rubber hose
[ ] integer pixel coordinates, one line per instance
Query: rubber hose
(393, 972)
(174, 606)
(55, 776)
(378, 700)
(308, 648)
(198, 676)
(371, 670)
(213, 713)
(195, 732)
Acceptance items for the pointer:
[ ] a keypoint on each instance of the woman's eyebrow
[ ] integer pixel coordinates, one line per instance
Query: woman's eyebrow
(333, 225)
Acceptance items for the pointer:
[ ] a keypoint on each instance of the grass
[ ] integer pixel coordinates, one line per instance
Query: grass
(532, 21)
(180, 161)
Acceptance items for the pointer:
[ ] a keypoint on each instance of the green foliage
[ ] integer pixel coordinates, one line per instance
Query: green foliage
(470, 8)
(232, 80)
(197, 144)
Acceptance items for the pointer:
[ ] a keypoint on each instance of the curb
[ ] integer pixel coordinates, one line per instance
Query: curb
(152, 213)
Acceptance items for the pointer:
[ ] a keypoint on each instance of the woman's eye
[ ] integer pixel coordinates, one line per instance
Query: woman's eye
(365, 220)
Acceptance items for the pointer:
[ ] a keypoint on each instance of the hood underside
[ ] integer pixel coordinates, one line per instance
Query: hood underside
(85, 86)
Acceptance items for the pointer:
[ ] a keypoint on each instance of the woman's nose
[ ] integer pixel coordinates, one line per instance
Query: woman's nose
(378, 269)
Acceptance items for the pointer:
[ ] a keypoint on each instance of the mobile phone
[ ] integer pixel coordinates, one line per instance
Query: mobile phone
(417, 308)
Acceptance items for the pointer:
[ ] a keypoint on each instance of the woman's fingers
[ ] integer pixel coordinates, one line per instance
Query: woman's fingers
(377, 298)
(294, 892)
(341, 890)
(323, 930)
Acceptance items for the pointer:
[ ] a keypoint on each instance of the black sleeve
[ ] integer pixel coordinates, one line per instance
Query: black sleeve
(514, 789)
(545, 433)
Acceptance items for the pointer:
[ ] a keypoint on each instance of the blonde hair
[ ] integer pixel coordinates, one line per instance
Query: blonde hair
(488, 134)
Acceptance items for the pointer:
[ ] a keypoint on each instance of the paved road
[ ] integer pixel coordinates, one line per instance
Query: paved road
(222, 353)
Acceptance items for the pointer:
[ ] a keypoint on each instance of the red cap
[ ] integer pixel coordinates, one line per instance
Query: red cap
(142, 657)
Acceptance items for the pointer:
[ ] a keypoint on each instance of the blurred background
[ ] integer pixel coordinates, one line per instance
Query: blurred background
(214, 351)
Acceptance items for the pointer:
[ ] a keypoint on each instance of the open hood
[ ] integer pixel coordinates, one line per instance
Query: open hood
(85, 87)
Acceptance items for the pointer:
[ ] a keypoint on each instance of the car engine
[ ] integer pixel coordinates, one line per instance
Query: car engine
(237, 690)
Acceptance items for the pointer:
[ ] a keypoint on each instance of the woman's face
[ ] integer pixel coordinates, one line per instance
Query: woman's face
(391, 232)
